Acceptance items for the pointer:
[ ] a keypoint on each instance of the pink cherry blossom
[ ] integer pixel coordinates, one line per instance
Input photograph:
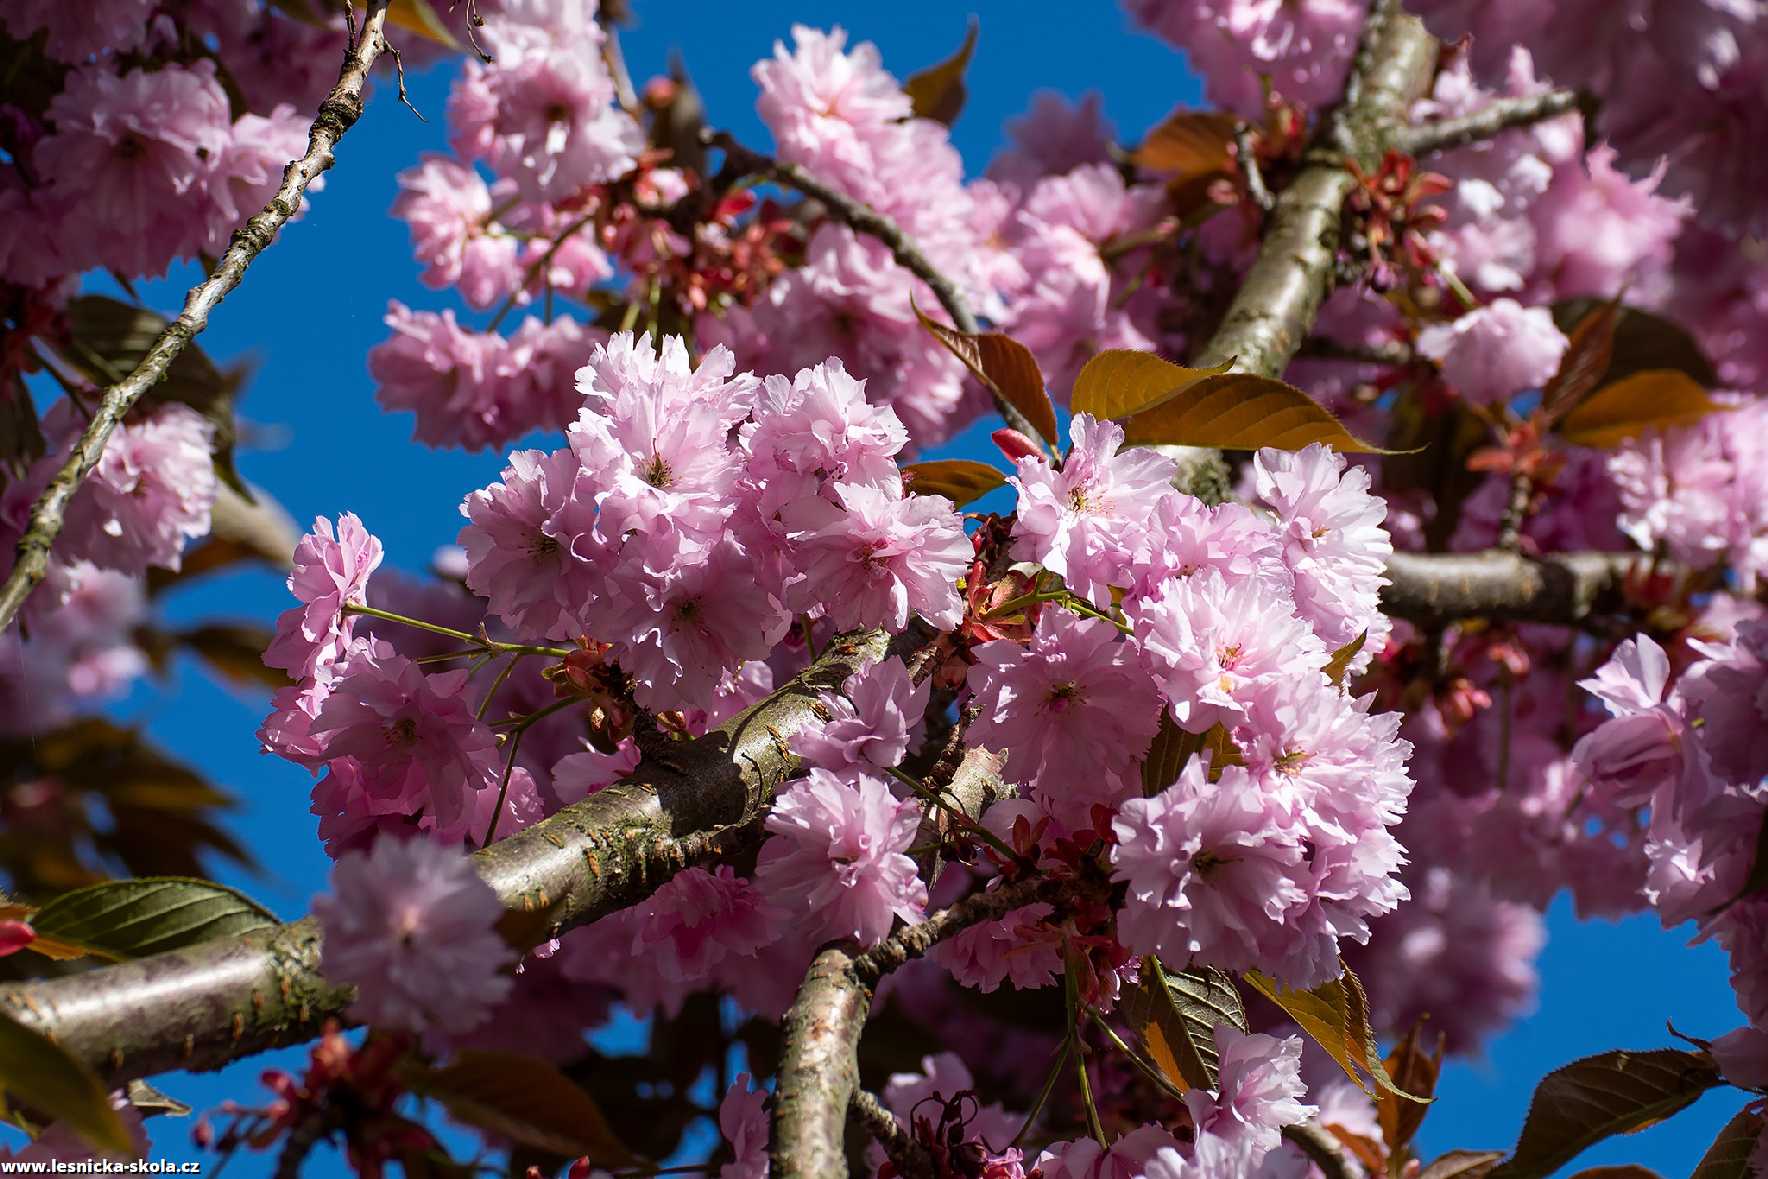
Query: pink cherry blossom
(883, 557)
(1259, 1091)
(331, 571)
(518, 554)
(411, 926)
(149, 494)
(870, 721)
(743, 1122)
(835, 855)
(413, 736)
(1497, 351)
(1081, 521)
(449, 208)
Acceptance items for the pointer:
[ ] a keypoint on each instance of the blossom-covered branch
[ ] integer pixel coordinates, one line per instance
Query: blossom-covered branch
(741, 161)
(202, 1007)
(819, 1067)
(1281, 295)
(337, 114)
(1487, 122)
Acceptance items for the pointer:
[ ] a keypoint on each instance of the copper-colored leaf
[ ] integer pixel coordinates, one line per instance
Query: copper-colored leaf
(235, 650)
(1642, 340)
(1176, 1013)
(1005, 366)
(959, 480)
(1120, 382)
(1360, 1147)
(1167, 754)
(1188, 145)
(1336, 1016)
(1623, 1171)
(1586, 359)
(1415, 1070)
(527, 1099)
(1240, 411)
(937, 92)
(1579, 1105)
(1340, 663)
(1651, 400)
(421, 17)
(1462, 1164)
(1729, 1156)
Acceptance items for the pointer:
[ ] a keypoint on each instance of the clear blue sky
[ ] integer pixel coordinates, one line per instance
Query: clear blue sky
(311, 308)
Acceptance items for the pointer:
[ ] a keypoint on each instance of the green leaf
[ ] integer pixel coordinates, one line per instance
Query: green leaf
(1176, 1015)
(1462, 1164)
(1240, 411)
(41, 1074)
(1340, 663)
(959, 480)
(1119, 382)
(108, 338)
(1579, 1105)
(122, 919)
(527, 1099)
(1729, 1156)
(937, 92)
(1005, 366)
(1652, 400)
(1640, 340)
(1336, 1016)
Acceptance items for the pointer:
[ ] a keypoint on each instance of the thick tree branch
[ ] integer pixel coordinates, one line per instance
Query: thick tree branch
(1282, 293)
(819, 1066)
(201, 1007)
(340, 110)
(864, 219)
(1560, 588)
(1500, 116)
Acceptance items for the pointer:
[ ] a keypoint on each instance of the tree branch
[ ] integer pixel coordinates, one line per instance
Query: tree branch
(200, 1007)
(864, 219)
(1282, 293)
(340, 110)
(1560, 588)
(910, 1158)
(1487, 122)
(819, 1065)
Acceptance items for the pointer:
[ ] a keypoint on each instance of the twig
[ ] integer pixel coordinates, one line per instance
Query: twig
(203, 1006)
(340, 110)
(1487, 122)
(1516, 512)
(1322, 1150)
(864, 219)
(1247, 157)
(1327, 348)
(910, 1158)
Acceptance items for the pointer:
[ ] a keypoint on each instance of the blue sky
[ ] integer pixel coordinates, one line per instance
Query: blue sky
(311, 308)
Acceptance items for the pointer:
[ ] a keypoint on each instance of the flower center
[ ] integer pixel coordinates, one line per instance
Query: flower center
(656, 472)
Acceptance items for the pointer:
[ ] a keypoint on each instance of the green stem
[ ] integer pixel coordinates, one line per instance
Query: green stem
(523, 724)
(970, 825)
(1142, 1066)
(483, 641)
(496, 684)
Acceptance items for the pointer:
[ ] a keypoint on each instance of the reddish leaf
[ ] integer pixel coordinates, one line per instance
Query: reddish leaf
(1585, 361)
(937, 92)
(526, 1099)
(1729, 1156)
(1189, 145)
(1462, 1164)
(959, 480)
(1006, 367)
(1579, 1105)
